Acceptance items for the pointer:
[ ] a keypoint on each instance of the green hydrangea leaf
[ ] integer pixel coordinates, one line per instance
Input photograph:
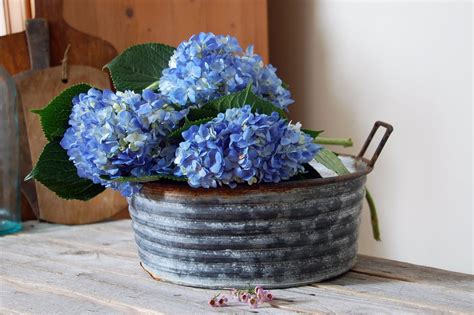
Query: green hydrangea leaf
(207, 112)
(176, 134)
(145, 179)
(312, 133)
(139, 66)
(237, 100)
(55, 116)
(55, 171)
(201, 113)
(331, 161)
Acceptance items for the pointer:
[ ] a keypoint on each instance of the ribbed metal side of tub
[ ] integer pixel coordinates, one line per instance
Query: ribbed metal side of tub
(275, 238)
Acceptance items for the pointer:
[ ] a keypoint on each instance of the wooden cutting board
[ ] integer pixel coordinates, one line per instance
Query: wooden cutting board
(36, 90)
(85, 49)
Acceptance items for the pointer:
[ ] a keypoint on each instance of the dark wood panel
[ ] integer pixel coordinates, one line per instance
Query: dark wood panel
(14, 53)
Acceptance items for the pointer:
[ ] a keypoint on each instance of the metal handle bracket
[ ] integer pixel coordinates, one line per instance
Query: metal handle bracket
(388, 131)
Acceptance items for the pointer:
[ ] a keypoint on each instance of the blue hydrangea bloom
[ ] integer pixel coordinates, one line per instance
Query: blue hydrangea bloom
(241, 147)
(121, 134)
(209, 66)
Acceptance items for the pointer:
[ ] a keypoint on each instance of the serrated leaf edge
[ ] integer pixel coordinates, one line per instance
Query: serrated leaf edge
(39, 111)
(177, 133)
(245, 94)
(107, 66)
(32, 175)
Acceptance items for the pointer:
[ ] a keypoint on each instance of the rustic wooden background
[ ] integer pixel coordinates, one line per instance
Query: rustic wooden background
(98, 30)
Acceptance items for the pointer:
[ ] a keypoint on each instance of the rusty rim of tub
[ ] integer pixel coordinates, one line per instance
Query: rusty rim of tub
(180, 188)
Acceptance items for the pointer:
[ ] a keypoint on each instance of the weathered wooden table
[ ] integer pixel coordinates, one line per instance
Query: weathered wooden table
(57, 269)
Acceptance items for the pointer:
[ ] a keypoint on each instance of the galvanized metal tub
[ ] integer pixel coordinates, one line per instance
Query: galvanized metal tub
(276, 235)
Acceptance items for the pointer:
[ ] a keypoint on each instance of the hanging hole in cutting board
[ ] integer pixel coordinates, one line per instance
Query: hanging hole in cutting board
(64, 76)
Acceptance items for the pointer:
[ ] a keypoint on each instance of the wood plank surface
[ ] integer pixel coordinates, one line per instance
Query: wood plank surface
(57, 269)
(14, 53)
(123, 23)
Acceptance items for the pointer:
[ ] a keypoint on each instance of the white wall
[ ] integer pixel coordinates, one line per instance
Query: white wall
(3, 29)
(408, 63)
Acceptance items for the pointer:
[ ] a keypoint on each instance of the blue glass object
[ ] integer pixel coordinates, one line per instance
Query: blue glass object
(10, 212)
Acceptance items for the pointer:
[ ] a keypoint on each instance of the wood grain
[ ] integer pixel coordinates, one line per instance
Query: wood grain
(29, 198)
(36, 91)
(85, 49)
(14, 53)
(37, 35)
(413, 273)
(95, 268)
(128, 22)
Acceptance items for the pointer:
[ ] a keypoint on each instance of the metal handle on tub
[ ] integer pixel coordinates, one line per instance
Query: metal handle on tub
(388, 131)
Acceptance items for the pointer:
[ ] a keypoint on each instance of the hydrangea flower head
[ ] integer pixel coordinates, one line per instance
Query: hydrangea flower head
(209, 66)
(239, 146)
(120, 134)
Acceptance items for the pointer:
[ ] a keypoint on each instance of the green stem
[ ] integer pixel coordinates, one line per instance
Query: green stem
(373, 215)
(153, 86)
(334, 141)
